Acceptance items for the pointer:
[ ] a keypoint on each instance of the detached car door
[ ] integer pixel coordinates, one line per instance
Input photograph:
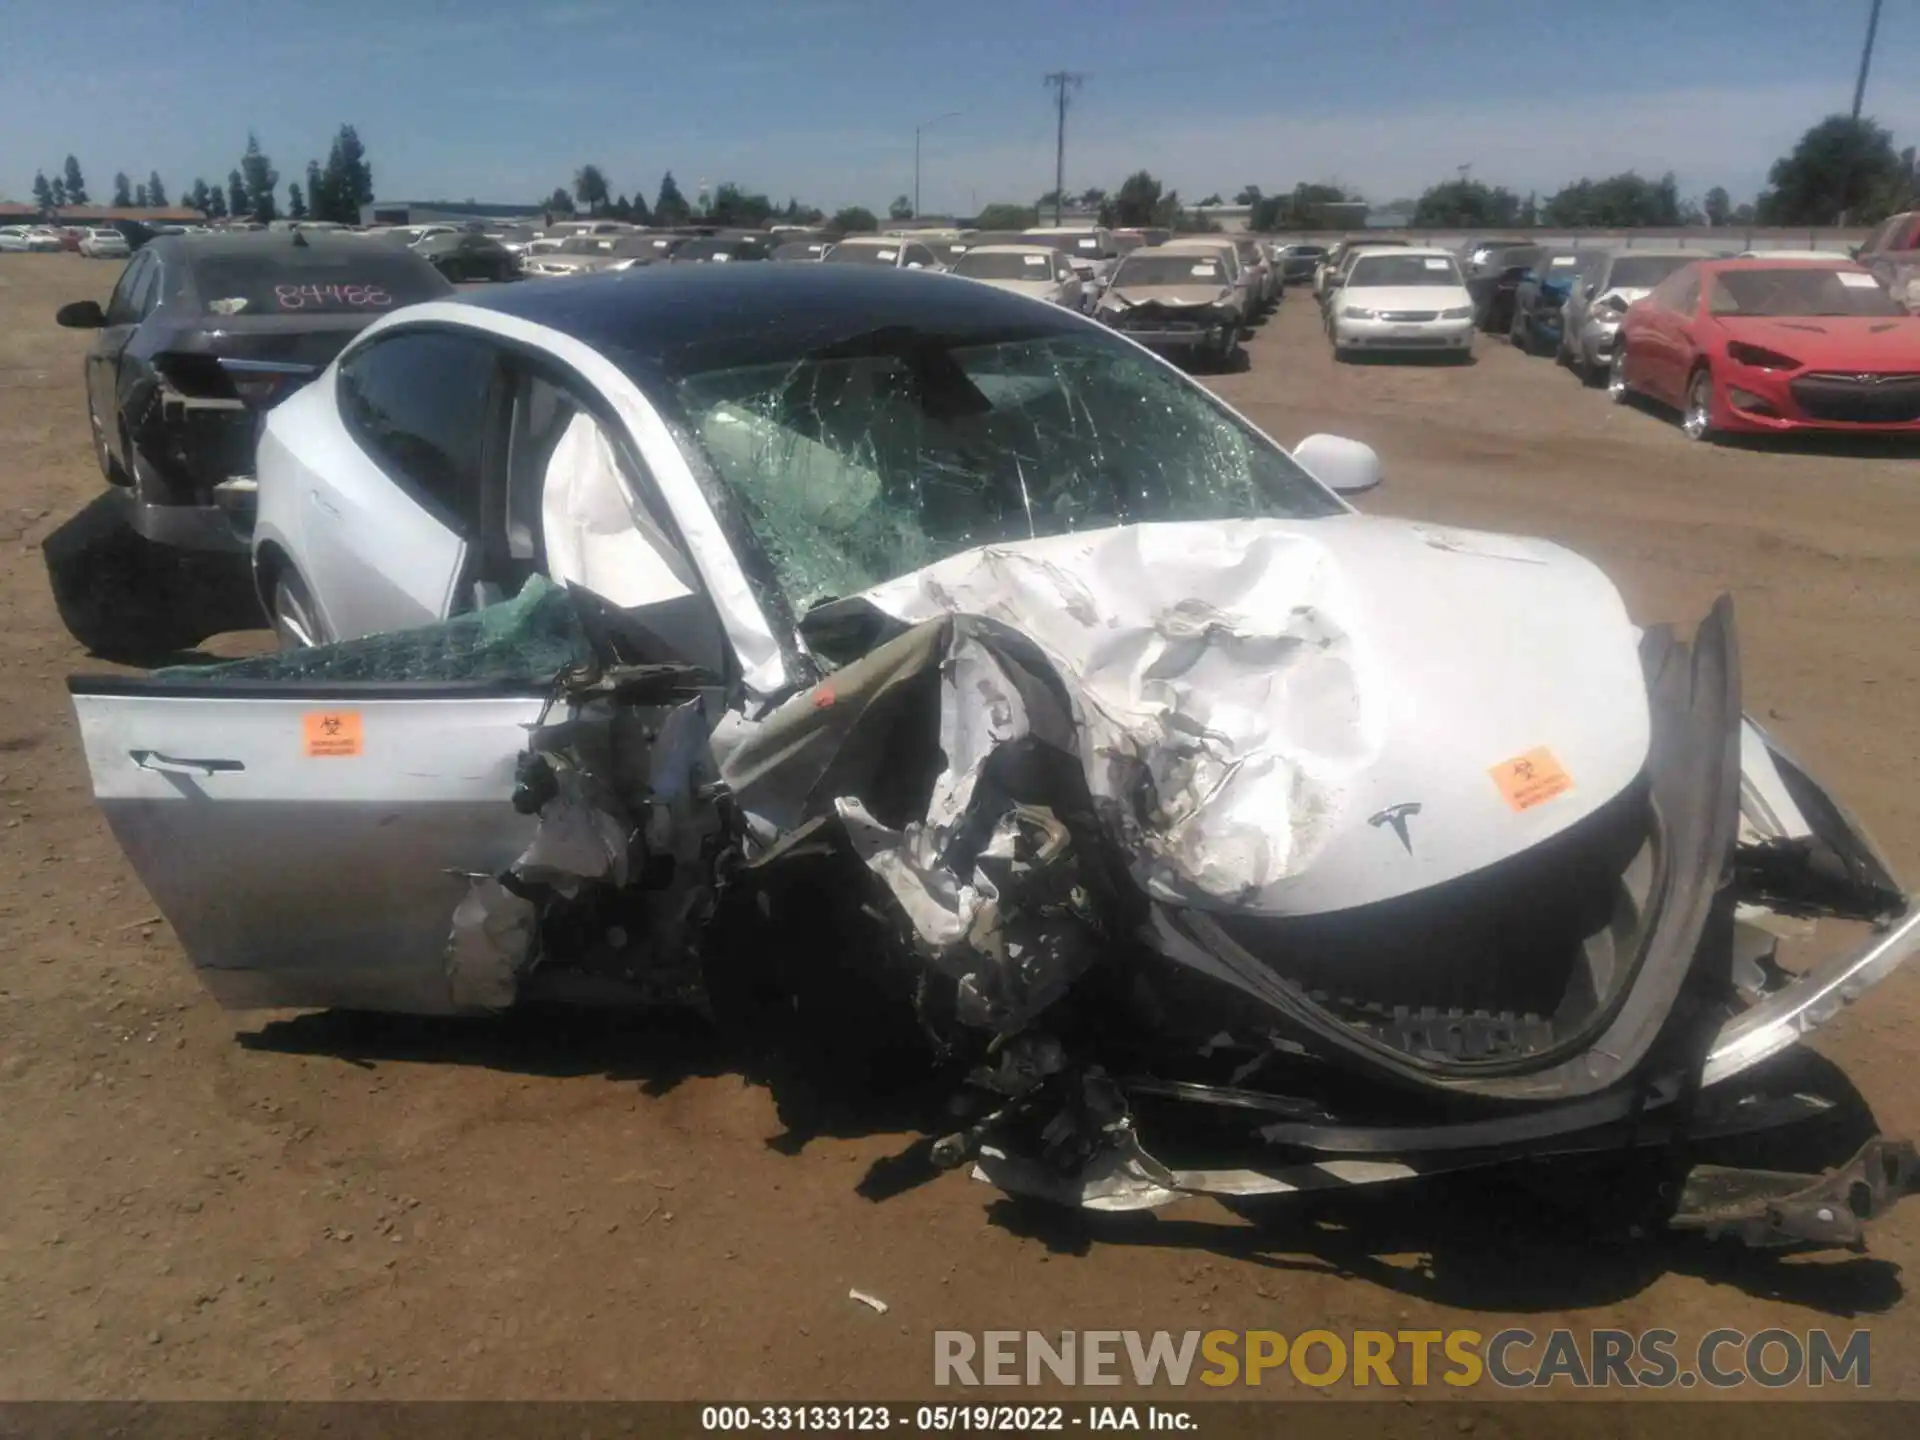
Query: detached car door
(308, 841)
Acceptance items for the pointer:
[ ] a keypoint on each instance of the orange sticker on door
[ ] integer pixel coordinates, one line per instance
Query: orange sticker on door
(332, 733)
(1531, 779)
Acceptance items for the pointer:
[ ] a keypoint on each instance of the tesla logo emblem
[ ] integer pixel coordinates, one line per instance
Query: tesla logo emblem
(1396, 816)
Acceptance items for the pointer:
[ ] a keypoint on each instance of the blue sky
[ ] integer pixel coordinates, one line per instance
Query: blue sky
(819, 98)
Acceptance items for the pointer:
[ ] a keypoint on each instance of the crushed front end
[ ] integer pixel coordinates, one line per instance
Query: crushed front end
(1613, 992)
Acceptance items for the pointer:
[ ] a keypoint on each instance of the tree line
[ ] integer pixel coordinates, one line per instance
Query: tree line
(729, 205)
(1842, 171)
(334, 191)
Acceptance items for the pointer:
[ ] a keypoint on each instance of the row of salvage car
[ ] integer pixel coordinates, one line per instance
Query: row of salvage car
(926, 681)
(1763, 342)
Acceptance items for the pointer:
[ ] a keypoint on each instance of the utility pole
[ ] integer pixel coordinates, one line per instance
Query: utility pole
(1063, 83)
(1866, 58)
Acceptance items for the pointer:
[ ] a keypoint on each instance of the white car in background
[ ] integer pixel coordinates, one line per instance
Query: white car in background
(35, 238)
(1401, 299)
(1036, 270)
(104, 245)
(882, 250)
(1245, 282)
(414, 234)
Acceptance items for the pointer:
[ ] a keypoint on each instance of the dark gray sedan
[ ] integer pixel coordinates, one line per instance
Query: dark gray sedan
(205, 333)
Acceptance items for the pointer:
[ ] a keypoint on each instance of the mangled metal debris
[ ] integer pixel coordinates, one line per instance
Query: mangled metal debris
(1105, 860)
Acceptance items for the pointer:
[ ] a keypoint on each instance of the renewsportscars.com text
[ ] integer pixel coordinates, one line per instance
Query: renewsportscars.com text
(1512, 1359)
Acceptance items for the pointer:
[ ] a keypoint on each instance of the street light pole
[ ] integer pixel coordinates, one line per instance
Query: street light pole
(1061, 82)
(924, 124)
(1866, 58)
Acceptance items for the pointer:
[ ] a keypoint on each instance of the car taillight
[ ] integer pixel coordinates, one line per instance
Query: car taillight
(257, 390)
(1759, 356)
(264, 383)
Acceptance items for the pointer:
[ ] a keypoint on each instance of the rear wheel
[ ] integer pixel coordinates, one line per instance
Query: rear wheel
(295, 617)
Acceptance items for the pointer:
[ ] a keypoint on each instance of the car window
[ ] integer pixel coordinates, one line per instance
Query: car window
(1686, 294)
(1666, 295)
(580, 498)
(123, 308)
(544, 410)
(855, 468)
(919, 255)
(146, 290)
(417, 402)
(1802, 290)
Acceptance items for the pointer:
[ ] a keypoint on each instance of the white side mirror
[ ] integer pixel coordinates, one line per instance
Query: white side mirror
(1342, 465)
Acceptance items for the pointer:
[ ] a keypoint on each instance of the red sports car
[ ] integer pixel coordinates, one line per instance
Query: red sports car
(1758, 345)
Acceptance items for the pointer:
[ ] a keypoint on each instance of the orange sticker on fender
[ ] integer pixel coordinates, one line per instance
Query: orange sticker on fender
(1531, 779)
(332, 733)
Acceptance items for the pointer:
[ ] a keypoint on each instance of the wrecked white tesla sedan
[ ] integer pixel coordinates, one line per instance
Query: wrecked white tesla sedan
(898, 667)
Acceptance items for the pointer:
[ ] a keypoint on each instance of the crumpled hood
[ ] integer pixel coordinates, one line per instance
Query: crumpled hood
(1289, 717)
(1601, 313)
(1172, 295)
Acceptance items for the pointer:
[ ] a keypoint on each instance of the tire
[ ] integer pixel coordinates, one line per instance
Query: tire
(109, 467)
(1696, 417)
(1519, 333)
(1341, 354)
(295, 618)
(1618, 391)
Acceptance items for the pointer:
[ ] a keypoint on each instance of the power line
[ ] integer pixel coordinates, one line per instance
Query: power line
(1866, 58)
(1063, 83)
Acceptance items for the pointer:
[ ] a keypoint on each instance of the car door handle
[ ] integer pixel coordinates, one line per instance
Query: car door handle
(321, 502)
(167, 765)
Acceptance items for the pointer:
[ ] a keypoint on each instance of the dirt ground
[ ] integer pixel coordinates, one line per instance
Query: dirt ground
(196, 1204)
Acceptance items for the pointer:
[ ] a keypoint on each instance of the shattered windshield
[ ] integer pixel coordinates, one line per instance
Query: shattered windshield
(879, 456)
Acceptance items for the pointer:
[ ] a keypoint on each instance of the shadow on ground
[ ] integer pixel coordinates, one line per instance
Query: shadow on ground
(1826, 444)
(1411, 359)
(1544, 1235)
(657, 1049)
(136, 603)
(1539, 1236)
